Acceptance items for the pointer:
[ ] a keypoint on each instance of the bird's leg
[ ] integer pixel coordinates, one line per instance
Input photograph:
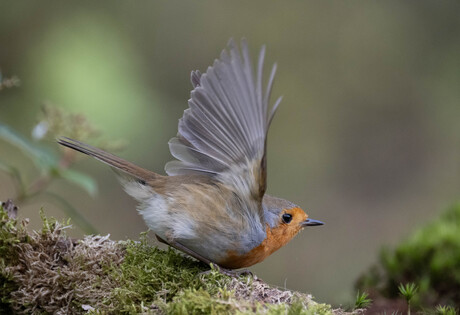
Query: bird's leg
(182, 248)
(230, 272)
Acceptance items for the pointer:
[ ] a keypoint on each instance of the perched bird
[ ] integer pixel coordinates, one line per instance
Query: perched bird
(213, 205)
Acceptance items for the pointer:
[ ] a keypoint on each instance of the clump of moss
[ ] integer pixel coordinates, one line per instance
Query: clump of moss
(430, 258)
(10, 235)
(149, 276)
(47, 272)
(153, 279)
(193, 301)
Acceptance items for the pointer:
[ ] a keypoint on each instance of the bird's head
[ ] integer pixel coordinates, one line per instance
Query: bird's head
(285, 218)
(296, 219)
(284, 221)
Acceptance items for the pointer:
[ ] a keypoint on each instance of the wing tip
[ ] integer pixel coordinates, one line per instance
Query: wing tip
(67, 142)
(62, 139)
(231, 43)
(195, 78)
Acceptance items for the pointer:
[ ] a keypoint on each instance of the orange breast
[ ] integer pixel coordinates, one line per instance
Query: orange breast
(276, 238)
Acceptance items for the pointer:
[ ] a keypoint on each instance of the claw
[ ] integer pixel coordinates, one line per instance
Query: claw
(229, 272)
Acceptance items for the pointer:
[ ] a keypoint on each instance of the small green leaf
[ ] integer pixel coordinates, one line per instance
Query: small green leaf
(408, 290)
(44, 159)
(84, 181)
(362, 300)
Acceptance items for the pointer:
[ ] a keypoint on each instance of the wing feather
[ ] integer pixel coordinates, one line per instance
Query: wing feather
(223, 132)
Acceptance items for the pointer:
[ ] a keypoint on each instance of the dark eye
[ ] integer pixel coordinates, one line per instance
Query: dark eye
(287, 218)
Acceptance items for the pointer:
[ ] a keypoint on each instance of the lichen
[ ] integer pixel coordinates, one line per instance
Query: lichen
(47, 272)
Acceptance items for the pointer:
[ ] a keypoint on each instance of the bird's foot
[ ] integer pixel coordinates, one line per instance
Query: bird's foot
(236, 273)
(228, 272)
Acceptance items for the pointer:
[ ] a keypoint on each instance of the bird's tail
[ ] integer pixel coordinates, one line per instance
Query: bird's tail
(127, 168)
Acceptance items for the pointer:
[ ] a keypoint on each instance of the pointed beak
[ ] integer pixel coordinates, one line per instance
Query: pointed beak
(311, 222)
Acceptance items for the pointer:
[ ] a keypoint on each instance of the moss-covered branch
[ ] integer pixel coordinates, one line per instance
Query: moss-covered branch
(45, 271)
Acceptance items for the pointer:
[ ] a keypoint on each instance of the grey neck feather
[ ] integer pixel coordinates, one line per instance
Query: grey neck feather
(273, 207)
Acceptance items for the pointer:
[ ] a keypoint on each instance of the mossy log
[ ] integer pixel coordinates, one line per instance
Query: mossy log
(47, 272)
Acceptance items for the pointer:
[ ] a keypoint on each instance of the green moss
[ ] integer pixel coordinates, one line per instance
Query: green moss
(149, 275)
(192, 301)
(10, 234)
(54, 274)
(430, 258)
(298, 308)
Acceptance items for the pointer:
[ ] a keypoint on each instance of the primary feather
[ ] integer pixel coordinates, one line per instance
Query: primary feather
(223, 132)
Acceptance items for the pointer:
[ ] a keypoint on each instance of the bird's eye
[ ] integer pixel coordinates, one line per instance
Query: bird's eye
(287, 218)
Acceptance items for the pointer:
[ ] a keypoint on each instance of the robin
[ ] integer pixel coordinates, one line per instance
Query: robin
(213, 205)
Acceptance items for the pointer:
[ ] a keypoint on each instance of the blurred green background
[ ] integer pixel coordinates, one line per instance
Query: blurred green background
(367, 137)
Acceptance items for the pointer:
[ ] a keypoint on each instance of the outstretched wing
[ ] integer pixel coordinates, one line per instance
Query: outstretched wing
(223, 133)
